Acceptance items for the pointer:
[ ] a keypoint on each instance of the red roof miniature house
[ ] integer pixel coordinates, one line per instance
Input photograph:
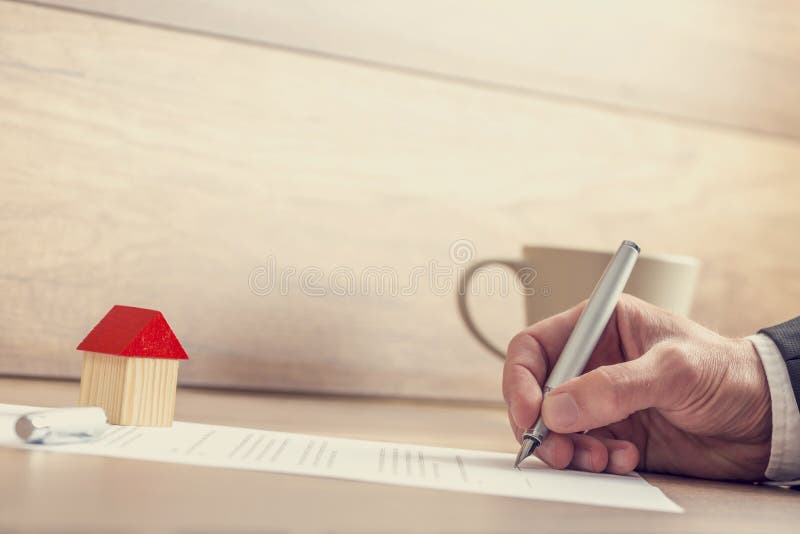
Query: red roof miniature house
(130, 367)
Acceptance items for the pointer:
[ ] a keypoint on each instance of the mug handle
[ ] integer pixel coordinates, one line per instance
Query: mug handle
(464, 284)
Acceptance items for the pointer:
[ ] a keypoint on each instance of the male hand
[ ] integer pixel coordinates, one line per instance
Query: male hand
(660, 393)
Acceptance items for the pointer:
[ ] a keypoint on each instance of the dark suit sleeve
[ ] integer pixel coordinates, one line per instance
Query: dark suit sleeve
(786, 337)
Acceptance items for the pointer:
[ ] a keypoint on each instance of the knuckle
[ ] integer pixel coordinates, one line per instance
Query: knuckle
(626, 302)
(634, 313)
(629, 306)
(617, 381)
(676, 361)
(516, 343)
(526, 350)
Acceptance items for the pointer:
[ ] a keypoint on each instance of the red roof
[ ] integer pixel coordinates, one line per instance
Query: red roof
(128, 331)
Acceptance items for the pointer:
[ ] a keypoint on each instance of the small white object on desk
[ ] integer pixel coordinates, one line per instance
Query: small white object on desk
(60, 426)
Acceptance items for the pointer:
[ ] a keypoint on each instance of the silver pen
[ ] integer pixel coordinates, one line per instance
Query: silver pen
(583, 339)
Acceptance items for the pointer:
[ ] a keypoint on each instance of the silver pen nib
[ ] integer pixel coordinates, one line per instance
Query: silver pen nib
(528, 446)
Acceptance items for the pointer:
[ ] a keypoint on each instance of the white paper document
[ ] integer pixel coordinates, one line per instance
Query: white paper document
(489, 473)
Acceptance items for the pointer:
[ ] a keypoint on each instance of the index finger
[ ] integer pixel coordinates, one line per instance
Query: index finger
(530, 356)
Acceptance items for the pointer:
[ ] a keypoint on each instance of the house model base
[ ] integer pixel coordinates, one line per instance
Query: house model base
(132, 391)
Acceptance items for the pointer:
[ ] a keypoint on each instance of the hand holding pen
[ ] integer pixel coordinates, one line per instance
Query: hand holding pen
(659, 393)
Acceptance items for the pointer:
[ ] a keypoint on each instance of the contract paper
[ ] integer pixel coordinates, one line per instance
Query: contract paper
(420, 466)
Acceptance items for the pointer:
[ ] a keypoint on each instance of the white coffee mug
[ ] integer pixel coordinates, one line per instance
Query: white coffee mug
(554, 279)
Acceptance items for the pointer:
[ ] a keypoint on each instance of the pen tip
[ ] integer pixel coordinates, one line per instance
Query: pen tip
(528, 445)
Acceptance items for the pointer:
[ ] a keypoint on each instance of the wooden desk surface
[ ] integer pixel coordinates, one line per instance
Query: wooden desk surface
(59, 492)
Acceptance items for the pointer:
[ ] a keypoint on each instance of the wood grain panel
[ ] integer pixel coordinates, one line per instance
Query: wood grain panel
(734, 62)
(159, 169)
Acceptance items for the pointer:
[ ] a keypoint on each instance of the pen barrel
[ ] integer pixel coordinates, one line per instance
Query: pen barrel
(590, 325)
(595, 316)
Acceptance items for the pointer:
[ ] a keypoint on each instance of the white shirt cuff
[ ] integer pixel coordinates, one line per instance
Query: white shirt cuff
(784, 458)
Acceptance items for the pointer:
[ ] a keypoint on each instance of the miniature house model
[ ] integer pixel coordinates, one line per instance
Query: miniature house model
(130, 367)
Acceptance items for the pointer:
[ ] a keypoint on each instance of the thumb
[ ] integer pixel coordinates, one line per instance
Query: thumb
(606, 395)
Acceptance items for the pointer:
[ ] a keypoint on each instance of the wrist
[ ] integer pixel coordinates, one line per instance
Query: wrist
(743, 408)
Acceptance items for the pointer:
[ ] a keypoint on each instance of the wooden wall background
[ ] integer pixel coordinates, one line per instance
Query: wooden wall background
(154, 166)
